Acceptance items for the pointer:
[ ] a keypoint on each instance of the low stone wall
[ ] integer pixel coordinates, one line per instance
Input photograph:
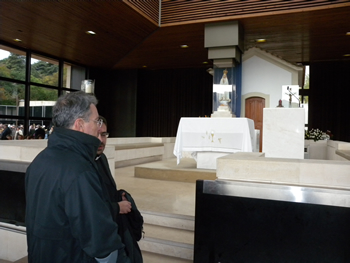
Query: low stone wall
(254, 167)
(168, 143)
(326, 150)
(338, 150)
(120, 151)
(21, 150)
(132, 151)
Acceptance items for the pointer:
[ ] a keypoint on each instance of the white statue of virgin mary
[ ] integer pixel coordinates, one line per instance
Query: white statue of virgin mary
(224, 79)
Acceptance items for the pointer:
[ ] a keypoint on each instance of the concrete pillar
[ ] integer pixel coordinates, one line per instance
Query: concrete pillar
(225, 45)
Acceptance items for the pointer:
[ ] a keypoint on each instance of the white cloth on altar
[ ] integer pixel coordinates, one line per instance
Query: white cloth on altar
(214, 135)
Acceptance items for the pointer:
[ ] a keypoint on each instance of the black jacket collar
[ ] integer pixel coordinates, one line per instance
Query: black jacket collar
(76, 141)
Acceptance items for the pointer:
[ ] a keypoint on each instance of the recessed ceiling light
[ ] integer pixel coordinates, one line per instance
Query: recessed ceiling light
(144, 66)
(90, 32)
(205, 62)
(17, 40)
(347, 55)
(184, 46)
(348, 33)
(260, 40)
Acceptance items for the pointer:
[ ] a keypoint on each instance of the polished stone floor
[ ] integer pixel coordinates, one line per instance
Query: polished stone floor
(158, 195)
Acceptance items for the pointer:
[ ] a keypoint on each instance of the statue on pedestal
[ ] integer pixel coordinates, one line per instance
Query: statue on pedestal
(224, 79)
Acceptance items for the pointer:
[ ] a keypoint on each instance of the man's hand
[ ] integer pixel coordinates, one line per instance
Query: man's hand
(124, 206)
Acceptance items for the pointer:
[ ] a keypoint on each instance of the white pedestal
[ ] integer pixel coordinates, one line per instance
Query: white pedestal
(223, 111)
(222, 114)
(283, 132)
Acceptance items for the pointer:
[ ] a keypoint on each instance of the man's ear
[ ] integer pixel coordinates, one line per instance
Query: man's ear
(79, 125)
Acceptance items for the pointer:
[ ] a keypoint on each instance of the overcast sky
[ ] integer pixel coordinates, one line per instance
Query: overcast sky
(4, 54)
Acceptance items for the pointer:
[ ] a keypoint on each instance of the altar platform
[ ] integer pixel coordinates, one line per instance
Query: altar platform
(168, 170)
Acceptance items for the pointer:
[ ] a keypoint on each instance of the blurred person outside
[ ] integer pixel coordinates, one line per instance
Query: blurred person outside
(68, 218)
(39, 132)
(19, 133)
(6, 133)
(125, 212)
(31, 130)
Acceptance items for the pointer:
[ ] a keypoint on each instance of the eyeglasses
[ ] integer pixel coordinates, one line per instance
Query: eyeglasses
(98, 122)
(104, 134)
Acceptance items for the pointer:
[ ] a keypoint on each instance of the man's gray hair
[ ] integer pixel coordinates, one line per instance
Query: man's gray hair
(72, 106)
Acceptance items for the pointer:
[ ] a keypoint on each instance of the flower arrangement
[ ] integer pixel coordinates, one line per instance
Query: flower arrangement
(314, 134)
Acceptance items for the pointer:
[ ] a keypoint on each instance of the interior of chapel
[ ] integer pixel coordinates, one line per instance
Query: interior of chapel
(227, 120)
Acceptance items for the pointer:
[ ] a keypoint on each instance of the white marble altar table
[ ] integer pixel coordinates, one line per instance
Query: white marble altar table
(227, 135)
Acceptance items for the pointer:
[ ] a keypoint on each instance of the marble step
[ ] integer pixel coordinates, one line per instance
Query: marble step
(168, 235)
(149, 257)
(184, 222)
(167, 248)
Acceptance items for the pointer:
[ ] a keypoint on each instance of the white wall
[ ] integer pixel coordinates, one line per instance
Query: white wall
(266, 74)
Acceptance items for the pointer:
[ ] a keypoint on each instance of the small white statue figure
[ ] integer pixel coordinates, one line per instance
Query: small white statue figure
(224, 79)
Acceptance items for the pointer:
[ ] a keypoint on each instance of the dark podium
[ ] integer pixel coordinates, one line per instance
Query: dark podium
(256, 222)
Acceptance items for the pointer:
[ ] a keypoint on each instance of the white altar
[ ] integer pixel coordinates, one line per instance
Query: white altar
(210, 138)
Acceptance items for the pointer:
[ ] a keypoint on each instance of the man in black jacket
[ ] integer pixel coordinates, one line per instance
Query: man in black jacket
(67, 216)
(125, 213)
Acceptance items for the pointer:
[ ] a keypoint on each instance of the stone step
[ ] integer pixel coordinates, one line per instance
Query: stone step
(170, 234)
(184, 222)
(167, 248)
(149, 257)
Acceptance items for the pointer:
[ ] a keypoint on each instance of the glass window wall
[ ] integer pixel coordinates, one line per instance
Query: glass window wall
(12, 98)
(44, 70)
(43, 84)
(12, 63)
(41, 101)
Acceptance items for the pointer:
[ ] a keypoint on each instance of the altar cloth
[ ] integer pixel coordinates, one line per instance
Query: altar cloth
(228, 135)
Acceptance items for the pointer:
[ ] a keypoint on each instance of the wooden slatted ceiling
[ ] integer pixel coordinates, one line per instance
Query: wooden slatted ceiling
(150, 9)
(129, 38)
(58, 28)
(175, 12)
